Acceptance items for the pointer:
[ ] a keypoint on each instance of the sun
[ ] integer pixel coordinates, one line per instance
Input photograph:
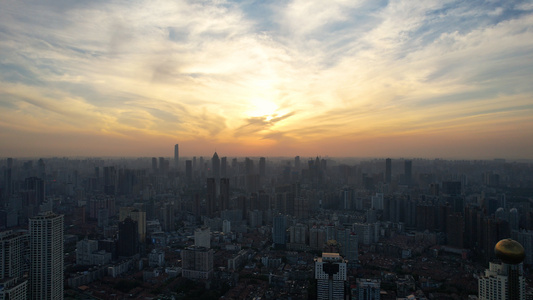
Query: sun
(261, 107)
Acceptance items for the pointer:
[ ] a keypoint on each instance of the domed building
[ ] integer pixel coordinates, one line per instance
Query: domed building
(504, 280)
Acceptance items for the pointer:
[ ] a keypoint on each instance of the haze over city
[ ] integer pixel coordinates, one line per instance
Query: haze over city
(448, 79)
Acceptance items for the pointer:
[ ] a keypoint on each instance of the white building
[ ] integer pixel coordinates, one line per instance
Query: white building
(495, 283)
(331, 274)
(46, 255)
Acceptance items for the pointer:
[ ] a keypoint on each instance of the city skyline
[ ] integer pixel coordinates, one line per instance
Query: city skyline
(444, 79)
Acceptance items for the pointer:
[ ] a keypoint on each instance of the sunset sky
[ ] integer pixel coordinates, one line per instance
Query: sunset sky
(448, 79)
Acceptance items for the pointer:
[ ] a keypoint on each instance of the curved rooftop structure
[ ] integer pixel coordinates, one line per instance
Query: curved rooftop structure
(510, 251)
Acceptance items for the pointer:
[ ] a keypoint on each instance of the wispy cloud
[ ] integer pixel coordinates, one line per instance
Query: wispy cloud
(179, 70)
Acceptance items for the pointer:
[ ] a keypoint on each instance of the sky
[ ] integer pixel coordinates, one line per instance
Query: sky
(433, 79)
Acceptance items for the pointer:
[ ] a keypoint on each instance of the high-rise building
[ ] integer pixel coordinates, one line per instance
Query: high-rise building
(248, 166)
(197, 262)
(408, 172)
(163, 165)
(110, 180)
(331, 275)
(46, 256)
(215, 166)
(368, 289)
(317, 238)
(388, 170)
(279, 231)
(224, 194)
(188, 170)
(136, 215)
(262, 167)
(348, 243)
(12, 285)
(224, 167)
(128, 238)
(525, 238)
(211, 197)
(154, 164)
(176, 156)
(298, 236)
(504, 281)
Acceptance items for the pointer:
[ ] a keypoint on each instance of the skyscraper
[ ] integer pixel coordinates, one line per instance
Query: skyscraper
(215, 165)
(504, 281)
(224, 167)
(388, 170)
(224, 194)
(46, 255)
(279, 231)
(330, 273)
(176, 156)
(211, 197)
(408, 172)
(262, 167)
(188, 170)
(154, 164)
(368, 289)
(13, 286)
(128, 238)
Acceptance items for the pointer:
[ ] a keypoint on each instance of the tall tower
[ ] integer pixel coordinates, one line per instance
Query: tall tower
(46, 255)
(330, 273)
(224, 194)
(504, 281)
(176, 156)
(188, 170)
(279, 231)
(215, 164)
(408, 171)
(297, 163)
(224, 167)
(211, 197)
(128, 238)
(388, 170)
(262, 167)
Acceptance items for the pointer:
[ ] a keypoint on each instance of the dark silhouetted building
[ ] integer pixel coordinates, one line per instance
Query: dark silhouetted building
(262, 167)
(188, 170)
(224, 194)
(211, 197)
(128, 238)
(388, 170)
(176, 156)
(408, 172)
(215, 166)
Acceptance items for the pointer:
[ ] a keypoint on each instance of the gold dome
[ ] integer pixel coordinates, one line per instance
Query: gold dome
(510, 251)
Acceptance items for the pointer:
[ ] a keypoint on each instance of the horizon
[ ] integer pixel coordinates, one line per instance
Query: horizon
(182, 158)
(448, 79)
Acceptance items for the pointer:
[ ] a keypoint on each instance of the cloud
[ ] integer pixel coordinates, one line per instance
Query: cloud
(192, 70)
